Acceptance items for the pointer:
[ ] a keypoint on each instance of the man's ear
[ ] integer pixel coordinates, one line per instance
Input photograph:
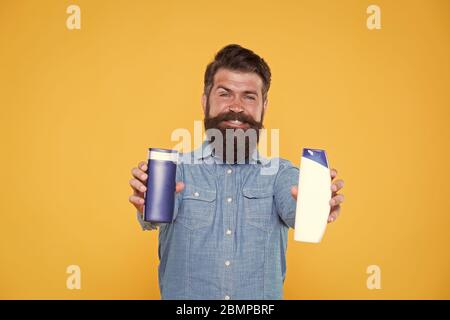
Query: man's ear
(204, 103)
(266, 104)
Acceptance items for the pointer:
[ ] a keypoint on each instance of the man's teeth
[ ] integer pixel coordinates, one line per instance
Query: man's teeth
(236, 122)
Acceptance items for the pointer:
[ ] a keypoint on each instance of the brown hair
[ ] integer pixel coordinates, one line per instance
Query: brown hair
(235, 57)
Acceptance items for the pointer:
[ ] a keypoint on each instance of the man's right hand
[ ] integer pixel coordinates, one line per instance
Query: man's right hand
(138, 184)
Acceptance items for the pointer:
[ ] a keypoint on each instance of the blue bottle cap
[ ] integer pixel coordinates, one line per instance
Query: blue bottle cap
(317, 155)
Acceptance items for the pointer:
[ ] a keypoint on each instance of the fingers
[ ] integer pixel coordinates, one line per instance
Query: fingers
(179, 187)
(337, 185)
(294, 192)
(138, 183)
(137, 186)
(333, 173)
(138, 202)
(140, 174)
(334, 214)
(338, 199)
(143, 166)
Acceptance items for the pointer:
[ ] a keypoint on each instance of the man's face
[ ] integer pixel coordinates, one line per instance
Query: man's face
(238, 94)
(235, 104)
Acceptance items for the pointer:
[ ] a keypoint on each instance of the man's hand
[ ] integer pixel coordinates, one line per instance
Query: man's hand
(138, 183)
(336, 198)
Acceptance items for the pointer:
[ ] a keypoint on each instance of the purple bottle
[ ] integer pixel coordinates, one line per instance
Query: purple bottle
(160, 194)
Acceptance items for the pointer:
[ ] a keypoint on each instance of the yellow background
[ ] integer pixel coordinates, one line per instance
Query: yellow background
(80, 108)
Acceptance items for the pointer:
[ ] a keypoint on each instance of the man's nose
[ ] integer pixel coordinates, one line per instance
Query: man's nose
(236, 108)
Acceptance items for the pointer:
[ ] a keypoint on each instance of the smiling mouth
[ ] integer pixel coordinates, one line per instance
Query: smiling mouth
(235, 124)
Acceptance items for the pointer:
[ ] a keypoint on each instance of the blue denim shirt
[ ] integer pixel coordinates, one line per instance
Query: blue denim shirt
(228, 237)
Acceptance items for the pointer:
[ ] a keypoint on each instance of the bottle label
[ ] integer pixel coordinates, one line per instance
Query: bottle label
(163, 156)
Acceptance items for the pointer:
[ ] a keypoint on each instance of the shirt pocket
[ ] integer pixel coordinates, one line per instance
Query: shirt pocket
(258, 207)
(197, 207)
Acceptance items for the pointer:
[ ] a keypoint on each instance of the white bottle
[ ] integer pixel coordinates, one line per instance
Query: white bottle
(314, 195)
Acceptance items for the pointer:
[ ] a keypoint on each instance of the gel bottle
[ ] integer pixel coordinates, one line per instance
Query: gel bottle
(160, 194)
(314, 194)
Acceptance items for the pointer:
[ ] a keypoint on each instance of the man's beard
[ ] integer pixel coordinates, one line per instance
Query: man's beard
(238, 144)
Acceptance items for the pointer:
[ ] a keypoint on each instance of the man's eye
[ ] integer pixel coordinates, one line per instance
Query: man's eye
(250, 97)
(224, 94)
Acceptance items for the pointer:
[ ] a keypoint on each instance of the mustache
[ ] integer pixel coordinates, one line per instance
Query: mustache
(230, 116)
(236, 154)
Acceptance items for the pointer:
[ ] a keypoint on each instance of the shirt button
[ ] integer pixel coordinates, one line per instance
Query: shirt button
(228, 231)
(229, 199)
(196, 194)
(227, 263)
(229, 171)
(227, 297)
